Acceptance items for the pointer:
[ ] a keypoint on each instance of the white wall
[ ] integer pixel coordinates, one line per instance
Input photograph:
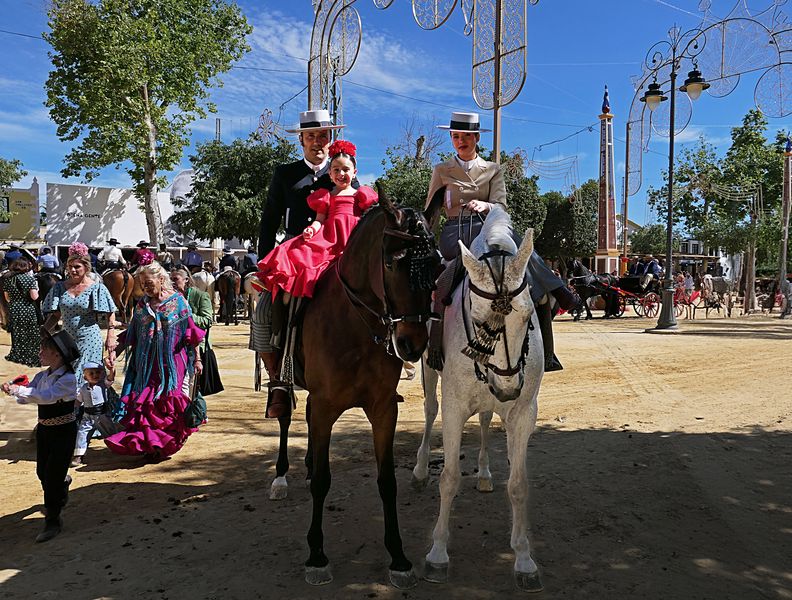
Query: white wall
(92, 215)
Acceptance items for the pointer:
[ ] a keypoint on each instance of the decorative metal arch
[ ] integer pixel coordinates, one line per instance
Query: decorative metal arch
(499, 46)
(742, 42)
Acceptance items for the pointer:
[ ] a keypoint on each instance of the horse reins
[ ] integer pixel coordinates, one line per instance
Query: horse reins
(388, 319)
(481, 348)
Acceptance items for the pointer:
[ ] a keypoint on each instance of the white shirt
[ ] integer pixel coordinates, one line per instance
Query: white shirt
(49, 387)
(315, 168)
(91, 395)
(466, 164)
(112, 254)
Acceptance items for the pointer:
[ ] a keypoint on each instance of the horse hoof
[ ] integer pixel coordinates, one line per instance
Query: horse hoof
(318, 575)
(436, 572)
(528, 582)
(485, 484)
(403, 580)
(419, 485)
(279, 489)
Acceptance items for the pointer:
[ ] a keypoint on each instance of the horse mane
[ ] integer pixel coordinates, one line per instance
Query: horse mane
(495, 234)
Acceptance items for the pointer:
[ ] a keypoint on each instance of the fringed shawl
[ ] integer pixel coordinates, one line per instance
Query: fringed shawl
(154, 338)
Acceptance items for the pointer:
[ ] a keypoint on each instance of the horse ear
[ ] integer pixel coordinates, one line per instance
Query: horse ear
(470, 262)
(520, 262)
(432, 212)
(387, 205)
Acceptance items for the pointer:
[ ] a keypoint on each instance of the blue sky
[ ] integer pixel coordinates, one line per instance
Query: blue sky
(575, 47)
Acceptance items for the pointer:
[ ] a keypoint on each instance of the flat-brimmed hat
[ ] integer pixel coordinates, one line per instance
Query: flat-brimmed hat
(142, 244)
(226, 250)
(311, 120)
(464, 121)
(113, 242)
(192, 245)
(65, 344)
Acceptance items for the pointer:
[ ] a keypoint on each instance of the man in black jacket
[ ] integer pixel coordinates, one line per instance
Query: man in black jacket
(287, 202)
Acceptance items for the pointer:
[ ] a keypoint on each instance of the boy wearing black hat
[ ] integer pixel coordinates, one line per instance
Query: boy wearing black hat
(54, 390)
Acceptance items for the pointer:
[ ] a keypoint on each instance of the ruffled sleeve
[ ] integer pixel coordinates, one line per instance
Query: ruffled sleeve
(101, 300)
(365, 197)
(319, 201)
(193, 335)
(52, 301)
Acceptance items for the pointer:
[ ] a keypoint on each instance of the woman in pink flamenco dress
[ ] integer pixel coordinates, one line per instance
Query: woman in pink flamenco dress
(294, 266)
(161, 362)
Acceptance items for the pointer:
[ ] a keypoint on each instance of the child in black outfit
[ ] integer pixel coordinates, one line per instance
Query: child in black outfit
(54, 390)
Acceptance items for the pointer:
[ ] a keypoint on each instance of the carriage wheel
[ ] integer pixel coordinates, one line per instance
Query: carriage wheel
(650, 304)
(622, 305)
(637, 306)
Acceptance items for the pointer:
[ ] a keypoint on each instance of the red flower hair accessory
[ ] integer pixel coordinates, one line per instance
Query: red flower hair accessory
(342, 146)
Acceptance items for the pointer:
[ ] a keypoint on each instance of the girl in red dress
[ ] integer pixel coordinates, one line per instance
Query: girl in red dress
(294, 266)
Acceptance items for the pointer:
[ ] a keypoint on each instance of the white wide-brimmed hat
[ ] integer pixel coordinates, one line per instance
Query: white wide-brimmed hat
(311, 120)
(464, 121)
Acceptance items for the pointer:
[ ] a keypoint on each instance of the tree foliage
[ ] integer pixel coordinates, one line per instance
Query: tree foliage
(10, 172)
(651, 239)
(569, 230)
(406, 178)
(231, 185)
(522, 195)
(129, 76)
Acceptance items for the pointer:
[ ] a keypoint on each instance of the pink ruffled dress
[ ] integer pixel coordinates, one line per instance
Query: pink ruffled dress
(161, 345)
(296, 264)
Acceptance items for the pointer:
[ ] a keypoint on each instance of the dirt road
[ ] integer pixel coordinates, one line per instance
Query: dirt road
(662, 469)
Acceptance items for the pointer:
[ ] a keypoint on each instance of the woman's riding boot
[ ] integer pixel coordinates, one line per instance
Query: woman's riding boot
(544, 313)
(567, 299)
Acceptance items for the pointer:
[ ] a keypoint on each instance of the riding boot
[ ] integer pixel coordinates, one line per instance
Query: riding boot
(441, 299)
(280, 317)
(545, 316)
(280, 397)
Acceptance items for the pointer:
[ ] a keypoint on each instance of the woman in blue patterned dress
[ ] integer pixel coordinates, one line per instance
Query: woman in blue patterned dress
(79, 301)
(21, 294)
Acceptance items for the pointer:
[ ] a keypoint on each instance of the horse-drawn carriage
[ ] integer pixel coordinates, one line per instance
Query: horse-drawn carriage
(643, 296)
(639, 292)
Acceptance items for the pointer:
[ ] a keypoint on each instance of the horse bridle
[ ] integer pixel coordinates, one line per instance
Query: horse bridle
(483, 345)
(422, 243)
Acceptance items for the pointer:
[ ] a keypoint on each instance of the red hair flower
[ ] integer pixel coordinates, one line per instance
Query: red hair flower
(342, 147)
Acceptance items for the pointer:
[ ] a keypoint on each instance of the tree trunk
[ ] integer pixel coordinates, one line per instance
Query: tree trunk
(749, 303)
(150, 201)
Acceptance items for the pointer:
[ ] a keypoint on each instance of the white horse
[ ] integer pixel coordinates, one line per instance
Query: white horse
(205, 281)
(250, 292)
(494, 308)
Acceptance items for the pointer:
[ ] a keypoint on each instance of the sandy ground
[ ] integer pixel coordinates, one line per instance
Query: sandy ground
(662, 468)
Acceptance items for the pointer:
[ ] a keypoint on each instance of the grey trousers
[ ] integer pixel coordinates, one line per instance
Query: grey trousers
(261, 325)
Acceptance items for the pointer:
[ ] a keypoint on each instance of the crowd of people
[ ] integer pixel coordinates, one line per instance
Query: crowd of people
(318, 201)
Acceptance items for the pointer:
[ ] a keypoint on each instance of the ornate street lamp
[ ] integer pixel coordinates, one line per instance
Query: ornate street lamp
(669, 55)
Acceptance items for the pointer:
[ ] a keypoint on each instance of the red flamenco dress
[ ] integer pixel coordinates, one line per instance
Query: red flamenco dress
(295, 265)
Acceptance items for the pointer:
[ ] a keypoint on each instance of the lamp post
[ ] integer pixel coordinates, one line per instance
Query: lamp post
(669, 54)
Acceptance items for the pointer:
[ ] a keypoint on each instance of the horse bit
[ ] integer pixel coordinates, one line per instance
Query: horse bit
(482, 347)
(421, 256)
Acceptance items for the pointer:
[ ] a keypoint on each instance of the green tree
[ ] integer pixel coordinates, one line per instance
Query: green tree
(406, 178)
(522, 195)
(570, 229)
(128, 78)
(10, 172)
(231, 185)
(651, 239)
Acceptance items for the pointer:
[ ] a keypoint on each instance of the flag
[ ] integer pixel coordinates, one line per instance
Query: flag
(606, 102)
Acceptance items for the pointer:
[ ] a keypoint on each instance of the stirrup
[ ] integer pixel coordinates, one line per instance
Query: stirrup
(279, 408)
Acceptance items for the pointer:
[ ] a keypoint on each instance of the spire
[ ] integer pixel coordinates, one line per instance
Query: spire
(605, 102)
(788, 148)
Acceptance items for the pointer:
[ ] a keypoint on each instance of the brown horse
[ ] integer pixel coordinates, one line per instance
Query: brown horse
(369, 312)
(227, 285)
(125, 290)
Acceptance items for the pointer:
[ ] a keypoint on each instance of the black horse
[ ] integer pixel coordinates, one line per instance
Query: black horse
(588, 285)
